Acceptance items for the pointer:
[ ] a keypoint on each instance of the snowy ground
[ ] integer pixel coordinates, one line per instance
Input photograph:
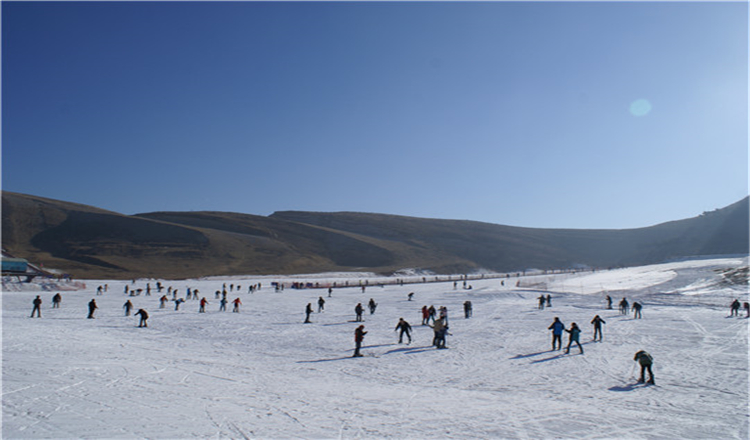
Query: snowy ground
(262, 373)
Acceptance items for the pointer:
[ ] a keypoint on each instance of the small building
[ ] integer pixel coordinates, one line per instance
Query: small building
(14, 266)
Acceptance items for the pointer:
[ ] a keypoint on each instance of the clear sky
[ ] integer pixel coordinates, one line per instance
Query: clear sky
(569, 115)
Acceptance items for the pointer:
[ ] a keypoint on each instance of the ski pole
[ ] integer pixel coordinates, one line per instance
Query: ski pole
(632, 370)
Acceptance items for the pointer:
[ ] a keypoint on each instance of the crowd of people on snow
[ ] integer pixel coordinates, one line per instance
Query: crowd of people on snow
(437, 319)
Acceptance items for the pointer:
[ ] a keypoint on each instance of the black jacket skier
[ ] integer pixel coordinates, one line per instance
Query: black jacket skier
(37, 307)
(144, 317)
(405, 329)
(646, 361)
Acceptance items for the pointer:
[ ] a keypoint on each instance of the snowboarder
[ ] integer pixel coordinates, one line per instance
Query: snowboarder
(467, 309)
(405, 330)
(308, 311)
(372, 305)
(237, 303)
(557, 328)
(144, 317)
(128, 306)
(440, 329)
(575, 333)
(609, 302)
(598, 321)
(359, 336)
(203, 304)
(37, 307)
(358, 310)
(637, 310)
(321, 304)
(56, 301)
(646, 361)
(735, 310)
(92, 308)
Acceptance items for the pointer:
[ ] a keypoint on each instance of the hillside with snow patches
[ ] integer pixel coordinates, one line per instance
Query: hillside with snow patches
(262, 373)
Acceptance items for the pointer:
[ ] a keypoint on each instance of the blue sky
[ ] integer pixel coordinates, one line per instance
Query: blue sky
(569, 115)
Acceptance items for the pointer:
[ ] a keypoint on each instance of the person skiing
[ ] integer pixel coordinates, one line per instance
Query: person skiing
(127, 306)
(410, 295)
(425, 315)
(598, 321)
(405, 330)
(92, 308)
(542, 299)
(372, 305)
(735, 308)
(144, 317)
(549, 300)
(37, 307)
(358, 310)
(646, 361)
(223, 304)
(236, 305)
(177, 303)
(575, 334)
(557, 328)
(321, 304)
(467, 309)
(624, 306)
(163, 301)
(308, 311)
(359, 336)
(440, 329)
(432, 313)
(56, 301)
(747, 309)
(609, 302)
(637, 310)
(203, 304)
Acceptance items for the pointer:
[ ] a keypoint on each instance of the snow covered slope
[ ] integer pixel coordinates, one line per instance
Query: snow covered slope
(262, 373)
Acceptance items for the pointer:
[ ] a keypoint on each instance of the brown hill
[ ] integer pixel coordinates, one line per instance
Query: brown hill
(93, 243)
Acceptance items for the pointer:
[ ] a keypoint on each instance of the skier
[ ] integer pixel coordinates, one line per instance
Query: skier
(99, 290)
(163, 301)
(372, 305)
(440, 329)
(321, 304)
(56, 301)
(177, 304)
(542, 300)
(405, 329)
(203, 303)
(358, 310)
(747, 309)
(735, 311)
(237, 303)
(37, 307)
(144, 317)
(637, 310)
(432, 313)
(597, 321)
(308, 311)
(410, 295)
(425, 315)
(609, 302)
(646, 361)
(92, 308)
(624, 306)
(223, 304)
(549, 300)
(127, 306)
(467, 309)
(359, 336)
(444, 314)
(575, 333)
(330, 291)
(557, 328)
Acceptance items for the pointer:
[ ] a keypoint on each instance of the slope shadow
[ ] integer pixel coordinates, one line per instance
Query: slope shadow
(410, 350)
(628, 387)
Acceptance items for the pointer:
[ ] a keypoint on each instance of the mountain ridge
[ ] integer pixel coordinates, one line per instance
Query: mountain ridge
(90, 242)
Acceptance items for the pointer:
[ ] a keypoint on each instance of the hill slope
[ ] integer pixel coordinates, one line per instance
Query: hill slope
(93, 243)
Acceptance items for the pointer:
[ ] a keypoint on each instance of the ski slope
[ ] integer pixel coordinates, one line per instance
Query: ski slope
(262, 373)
